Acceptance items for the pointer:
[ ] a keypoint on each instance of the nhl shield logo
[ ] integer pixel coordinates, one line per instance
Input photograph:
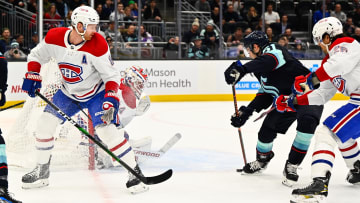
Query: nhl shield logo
(339, 83)
(70, 72)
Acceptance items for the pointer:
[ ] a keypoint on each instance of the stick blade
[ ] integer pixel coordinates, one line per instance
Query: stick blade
(158, 179)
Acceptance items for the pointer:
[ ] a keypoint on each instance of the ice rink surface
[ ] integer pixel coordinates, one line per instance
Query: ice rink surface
(204, 162)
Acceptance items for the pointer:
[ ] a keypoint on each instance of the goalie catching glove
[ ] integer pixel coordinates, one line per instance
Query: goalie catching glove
(234, 73)
(32, 83)
(110, 107)
(284, 103)
(244, 114)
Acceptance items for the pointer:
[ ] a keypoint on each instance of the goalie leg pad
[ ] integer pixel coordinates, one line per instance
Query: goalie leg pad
(46, 127)
(117, 143)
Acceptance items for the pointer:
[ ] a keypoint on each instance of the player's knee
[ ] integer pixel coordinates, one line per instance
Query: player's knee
(266, 134)
(46, 125)
(108, 133)
(324, 136)
(307, 124)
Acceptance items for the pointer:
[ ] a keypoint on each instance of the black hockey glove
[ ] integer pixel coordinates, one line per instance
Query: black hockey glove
(244, 114)
(234, 73)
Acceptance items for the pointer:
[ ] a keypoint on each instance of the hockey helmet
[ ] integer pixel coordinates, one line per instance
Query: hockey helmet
(330, 25)
(136, 79)
(85, 15)
(256, 37)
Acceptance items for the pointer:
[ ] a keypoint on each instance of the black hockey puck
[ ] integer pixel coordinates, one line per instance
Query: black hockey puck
(239, 170)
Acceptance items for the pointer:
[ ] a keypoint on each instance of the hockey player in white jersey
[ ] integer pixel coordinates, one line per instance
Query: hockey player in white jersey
(89, 80)
(339, 71)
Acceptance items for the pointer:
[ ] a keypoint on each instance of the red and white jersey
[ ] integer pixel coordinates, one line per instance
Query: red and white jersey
(339, 71)
(85, 67)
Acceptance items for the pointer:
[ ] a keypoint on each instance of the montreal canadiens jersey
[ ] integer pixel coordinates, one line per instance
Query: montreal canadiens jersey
(85, 67)
(340, 71)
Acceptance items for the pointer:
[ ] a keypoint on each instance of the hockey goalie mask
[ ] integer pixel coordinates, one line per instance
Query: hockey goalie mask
(85, 15)
(136, 80)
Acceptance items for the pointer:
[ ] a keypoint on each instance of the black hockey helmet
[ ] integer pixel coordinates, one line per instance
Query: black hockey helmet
(256, 37)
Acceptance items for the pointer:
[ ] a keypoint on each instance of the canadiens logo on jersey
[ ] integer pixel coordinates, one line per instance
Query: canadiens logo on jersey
(70, 72)
(339, 83)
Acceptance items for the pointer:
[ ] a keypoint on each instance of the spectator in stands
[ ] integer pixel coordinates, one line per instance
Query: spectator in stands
(259, 25)
(236, 4)
(52, 18)
(102, 15)
(67, 20)
(198, 51)
(111, 31)
(284, 42)
(14, 53)
(247, 31)
(61, 7)
(318, 15)
(230, 19)
(356, 35)
(210, 36)
(128, 18)
(236, 38)
(288, 34)
(192, 33)
(356, 17)
(215, 16)
(109, 41)
(349, 27)
(5, 37)
(19, 38)
(46, 5)
(152, 12)
(203, 5)
(271, 16)
(120, 13)
(338, 13)
(146, 37)
(32, 6)
(252, 17)
(284, 23)
(134, 9)
(171, 49)
(108, 7)
(130, 36)
(216, 3)
(269, 33)
(299, 51)
(34, 40)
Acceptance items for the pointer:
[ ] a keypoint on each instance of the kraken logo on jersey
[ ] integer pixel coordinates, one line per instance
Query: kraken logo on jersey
(71, 73)
(268, 88)
(339, 83)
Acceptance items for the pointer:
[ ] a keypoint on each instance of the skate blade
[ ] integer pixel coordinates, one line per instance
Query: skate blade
(37, 184)
(139, 188)
(288, 183)
(308, 199)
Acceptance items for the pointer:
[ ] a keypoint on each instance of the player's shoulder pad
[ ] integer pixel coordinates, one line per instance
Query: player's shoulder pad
(56, 36)
(97, 46)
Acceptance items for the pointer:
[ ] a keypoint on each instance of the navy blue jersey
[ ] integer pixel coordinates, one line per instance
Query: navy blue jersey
(276, 70)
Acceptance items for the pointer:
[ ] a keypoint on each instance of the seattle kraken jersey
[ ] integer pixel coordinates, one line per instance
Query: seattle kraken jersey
(276, 70)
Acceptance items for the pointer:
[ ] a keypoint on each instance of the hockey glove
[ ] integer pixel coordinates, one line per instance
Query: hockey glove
(32, 82)
(284, 103)
(302, 84)
(244, 114)
(234, 73)
(110, 107)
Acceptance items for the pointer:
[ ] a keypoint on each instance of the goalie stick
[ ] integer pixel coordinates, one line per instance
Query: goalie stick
(157, 154)
(146, 180)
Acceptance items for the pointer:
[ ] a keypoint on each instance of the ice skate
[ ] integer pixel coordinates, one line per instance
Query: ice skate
(37, 178)
(5, 197)
(259, 165)
(134, 185)
(290, 174)
(316, 192)
(353, 176)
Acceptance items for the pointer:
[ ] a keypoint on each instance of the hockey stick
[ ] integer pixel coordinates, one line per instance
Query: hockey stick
(264, 113)
(146, 180)
(239, 130)
(12, 106)
(157, 154)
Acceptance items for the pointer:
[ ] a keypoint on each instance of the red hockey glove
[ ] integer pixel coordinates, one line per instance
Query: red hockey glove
(284, 103)
(110, 107)
(300, 83)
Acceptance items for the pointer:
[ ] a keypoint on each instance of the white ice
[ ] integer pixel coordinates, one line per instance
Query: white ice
(204, 162)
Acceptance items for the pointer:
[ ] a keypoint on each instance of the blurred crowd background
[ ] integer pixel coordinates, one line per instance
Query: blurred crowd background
(179, 29)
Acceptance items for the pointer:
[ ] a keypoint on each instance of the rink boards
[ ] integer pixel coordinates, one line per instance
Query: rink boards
(171, 80)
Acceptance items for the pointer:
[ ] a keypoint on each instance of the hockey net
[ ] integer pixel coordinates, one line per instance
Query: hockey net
(72, 150)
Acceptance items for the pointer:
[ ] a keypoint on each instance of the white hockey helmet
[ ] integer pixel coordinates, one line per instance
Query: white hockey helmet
(330, 25)
(136, 79)
(85, 15)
